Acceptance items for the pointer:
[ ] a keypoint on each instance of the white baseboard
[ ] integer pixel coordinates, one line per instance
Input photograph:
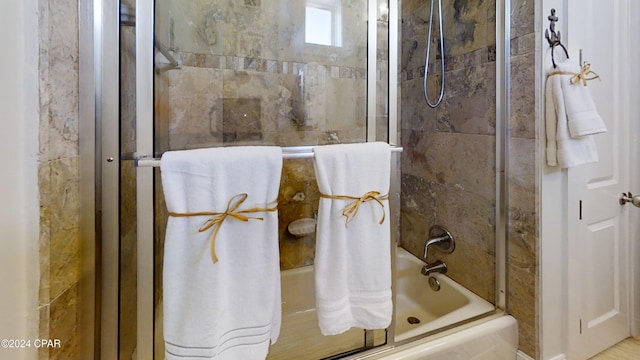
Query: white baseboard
(522, 356)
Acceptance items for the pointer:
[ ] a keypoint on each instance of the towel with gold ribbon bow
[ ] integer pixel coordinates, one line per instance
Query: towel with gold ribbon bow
(585, 74)
(217, 218)
(351, 210)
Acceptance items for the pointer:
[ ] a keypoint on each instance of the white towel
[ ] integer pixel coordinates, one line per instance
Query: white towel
(563, 150)
(353, 263)
(582, 115)
(230, 309)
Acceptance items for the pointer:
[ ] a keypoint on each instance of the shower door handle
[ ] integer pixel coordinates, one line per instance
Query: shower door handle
(628, 198)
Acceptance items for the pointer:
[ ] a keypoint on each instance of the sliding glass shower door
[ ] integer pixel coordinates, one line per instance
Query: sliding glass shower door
(211, 73)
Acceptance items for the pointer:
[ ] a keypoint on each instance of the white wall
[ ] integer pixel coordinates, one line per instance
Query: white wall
(553, 184)
(19, 207)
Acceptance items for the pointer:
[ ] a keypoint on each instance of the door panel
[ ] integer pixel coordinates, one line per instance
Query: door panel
(598, 225)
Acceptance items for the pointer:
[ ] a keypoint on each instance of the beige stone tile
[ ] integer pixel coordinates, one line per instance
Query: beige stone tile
(193, 108)
(64, 242)
(522, 305)
(521, 182)
(523, 122)
(43, 331)
(58, 79)
(64, 324)
(522, 17)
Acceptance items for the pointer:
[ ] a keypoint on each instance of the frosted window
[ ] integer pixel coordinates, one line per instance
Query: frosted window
(318, 26)
(323, 23)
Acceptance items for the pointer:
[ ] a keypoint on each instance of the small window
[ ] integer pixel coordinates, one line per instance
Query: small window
(323, 22)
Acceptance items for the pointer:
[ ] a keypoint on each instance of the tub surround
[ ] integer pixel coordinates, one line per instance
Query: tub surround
(448, 165)
(449, 152)
(58, 178)
(523, 187)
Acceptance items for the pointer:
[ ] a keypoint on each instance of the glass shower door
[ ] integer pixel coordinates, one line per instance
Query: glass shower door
(213, 73)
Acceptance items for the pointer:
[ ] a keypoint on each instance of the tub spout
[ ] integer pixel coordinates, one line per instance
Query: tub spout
(436, 267)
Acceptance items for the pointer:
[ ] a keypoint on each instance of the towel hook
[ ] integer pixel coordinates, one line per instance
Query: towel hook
(553, 36)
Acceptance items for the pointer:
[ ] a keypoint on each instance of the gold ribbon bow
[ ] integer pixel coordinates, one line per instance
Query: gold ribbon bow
(217, 218)
(351, 210)
(582, 75)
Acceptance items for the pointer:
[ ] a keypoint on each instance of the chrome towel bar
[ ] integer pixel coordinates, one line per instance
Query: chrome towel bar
(291, 152)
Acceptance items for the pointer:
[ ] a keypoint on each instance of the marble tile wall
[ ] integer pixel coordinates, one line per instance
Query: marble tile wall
(448, 152)
(58, 178)
(448, 166)
(523, 216)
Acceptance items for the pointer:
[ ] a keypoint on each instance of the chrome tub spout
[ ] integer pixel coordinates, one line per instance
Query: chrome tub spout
(436, 267)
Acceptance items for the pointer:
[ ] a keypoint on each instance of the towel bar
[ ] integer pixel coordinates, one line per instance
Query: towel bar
(291, 152)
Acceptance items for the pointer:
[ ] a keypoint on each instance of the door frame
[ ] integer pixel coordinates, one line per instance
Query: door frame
(634, 171)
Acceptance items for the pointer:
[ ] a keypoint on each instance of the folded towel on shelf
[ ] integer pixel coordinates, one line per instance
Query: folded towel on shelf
(563, 150)
(582, 115)
(353, 260)
(221, 273)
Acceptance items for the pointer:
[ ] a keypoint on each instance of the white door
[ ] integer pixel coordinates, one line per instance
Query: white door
(598, 226)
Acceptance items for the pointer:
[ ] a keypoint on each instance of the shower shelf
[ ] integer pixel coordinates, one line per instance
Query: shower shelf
(291, 152)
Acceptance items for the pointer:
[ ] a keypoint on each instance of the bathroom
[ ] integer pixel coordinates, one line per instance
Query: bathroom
(52, 74)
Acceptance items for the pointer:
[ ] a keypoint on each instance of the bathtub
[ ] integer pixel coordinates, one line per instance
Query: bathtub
(416, 301)
(428, 310)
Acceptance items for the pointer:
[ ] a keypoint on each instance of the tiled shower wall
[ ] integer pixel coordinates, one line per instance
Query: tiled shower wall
(523, 214)
(58, 177)
(448, 167)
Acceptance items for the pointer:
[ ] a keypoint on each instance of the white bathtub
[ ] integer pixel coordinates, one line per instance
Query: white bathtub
(300, 336)
(434, 309)
(493, 337)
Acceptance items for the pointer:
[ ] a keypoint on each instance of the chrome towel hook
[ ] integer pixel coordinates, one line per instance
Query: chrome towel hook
(553, 36)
